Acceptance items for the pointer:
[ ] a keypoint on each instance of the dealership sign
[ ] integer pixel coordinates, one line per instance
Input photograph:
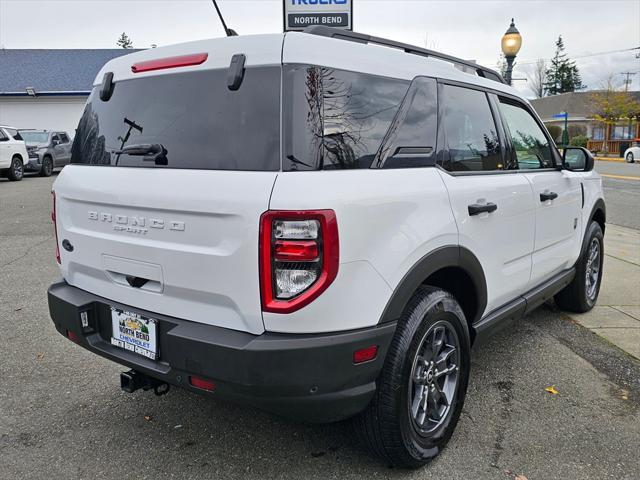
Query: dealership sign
(299, 14)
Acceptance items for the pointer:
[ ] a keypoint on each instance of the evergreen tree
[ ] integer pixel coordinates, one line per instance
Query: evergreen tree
(124, 41)
(562, 75)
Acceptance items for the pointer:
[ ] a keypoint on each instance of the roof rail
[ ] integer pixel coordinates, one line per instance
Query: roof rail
(464, 65)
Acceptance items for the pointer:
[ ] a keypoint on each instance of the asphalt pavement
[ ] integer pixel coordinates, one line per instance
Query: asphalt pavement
(622, 192)
(63, 415)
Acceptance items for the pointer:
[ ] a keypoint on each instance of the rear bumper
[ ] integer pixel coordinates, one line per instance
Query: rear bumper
(305, 377)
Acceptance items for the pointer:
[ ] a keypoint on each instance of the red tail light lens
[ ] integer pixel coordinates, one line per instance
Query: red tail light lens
(55, 226)
(169, 62)
(299, 257)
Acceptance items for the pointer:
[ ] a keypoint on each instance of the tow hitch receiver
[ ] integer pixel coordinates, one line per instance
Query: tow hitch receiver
(131, 381)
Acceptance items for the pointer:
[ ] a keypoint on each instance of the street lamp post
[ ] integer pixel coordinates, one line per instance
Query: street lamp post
(511, 43)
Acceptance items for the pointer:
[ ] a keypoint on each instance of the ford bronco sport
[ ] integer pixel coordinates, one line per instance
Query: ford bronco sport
(321, 224)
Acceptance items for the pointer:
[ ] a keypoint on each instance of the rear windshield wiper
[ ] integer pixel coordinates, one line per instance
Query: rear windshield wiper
(152, 152)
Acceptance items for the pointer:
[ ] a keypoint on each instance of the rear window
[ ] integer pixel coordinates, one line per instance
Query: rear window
(187, 120)
(336, 119)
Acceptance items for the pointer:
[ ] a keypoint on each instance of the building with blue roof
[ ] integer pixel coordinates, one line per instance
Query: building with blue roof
(47, 89)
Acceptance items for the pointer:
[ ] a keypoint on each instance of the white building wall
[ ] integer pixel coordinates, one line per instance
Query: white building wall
(50, 113)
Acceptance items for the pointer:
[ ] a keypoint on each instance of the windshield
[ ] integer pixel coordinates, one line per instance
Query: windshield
(34, 136)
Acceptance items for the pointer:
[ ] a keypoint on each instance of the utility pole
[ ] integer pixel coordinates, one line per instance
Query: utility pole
(627, 82)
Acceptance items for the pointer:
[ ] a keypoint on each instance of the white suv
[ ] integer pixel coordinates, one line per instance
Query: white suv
(13, 154)
(320, 224)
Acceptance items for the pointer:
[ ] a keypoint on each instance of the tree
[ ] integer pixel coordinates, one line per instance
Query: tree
(563, 75)
(538, 77)
(611, 105)
(124, 41)
(501, 65)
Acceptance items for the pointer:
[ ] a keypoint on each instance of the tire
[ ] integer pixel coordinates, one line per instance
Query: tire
(393, 427)
(47, 167)
(582, 293)
(629, 157)
(16, 170)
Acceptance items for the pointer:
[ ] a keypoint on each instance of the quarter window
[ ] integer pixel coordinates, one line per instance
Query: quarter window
(530, 145)
(336, 119)
(470, 134)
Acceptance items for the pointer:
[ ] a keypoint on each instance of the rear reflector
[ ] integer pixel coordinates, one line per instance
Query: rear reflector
(365, 354)
(73, 337)
(170, 62)
(202, 384)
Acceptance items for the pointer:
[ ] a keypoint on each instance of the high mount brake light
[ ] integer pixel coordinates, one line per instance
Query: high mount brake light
(55, 226)
(170, 62)
(299, 257)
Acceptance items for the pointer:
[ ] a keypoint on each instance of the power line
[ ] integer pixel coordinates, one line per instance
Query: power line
(586, 55)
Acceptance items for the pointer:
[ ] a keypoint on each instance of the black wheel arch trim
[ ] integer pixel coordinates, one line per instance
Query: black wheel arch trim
(599, 205)
(443, 257)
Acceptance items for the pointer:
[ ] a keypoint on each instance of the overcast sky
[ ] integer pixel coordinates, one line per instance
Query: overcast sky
(469, 29)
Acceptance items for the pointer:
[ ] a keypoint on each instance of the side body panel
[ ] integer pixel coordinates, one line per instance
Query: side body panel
(387, 221)
(502, 240)
(558, 223)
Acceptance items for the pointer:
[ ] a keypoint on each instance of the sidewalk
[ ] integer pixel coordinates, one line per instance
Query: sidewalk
(616, 316)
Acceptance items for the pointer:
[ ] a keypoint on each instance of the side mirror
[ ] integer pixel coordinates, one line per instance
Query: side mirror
(55, 142)
(577, 159)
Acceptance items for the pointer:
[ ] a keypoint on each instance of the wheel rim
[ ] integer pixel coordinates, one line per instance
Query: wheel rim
(592, 276)
(47, 167)
(17, 169)
(434, 377)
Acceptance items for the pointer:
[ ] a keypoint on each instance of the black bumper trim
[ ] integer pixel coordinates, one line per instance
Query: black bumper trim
(306, 377)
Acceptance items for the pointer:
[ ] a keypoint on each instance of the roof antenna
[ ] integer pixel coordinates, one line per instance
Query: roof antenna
(229, 31)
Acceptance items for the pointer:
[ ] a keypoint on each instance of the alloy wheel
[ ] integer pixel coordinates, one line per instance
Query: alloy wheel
(592, 276)
(434, 378)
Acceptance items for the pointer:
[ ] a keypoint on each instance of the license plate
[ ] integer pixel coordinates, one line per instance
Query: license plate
(135, 333)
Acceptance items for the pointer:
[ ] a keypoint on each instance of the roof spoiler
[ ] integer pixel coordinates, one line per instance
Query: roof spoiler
(464, 65)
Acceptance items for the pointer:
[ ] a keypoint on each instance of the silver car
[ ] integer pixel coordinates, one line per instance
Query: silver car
(47, 150)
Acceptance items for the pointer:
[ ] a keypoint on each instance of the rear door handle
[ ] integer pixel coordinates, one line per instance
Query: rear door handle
(548, 196)
(477, 209)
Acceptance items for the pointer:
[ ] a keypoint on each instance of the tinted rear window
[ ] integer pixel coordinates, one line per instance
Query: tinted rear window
(335, 119)
(193, 119)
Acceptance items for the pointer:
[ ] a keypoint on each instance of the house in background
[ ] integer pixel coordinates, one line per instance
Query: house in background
(47, 89)
(581, 120)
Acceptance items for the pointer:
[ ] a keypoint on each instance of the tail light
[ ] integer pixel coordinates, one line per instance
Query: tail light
(299, 257)
(55, 226)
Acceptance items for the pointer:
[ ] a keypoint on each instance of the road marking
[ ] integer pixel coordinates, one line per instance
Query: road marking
(609, 159)
(620, 177)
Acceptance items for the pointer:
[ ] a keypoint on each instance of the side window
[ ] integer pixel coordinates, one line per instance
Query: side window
(411, 139)
(530, 145)
(3, 137)
(336, 119)
(64, 138)
(55, 138)
(469, 131)
(14, 134)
